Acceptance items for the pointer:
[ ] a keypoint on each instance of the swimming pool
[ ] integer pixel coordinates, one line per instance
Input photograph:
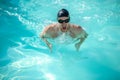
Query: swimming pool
(24, 56)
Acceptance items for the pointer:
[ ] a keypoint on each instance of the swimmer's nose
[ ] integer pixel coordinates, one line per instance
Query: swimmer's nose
(63, 22)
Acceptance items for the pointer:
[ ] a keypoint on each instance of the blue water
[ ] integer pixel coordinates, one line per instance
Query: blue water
(24, 56)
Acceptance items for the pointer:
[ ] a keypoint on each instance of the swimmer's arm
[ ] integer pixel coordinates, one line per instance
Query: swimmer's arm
(77, 45)
(46, 41)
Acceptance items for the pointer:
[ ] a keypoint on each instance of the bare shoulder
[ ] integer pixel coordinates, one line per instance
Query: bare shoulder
(76, 27)
(78, 31)
(49, 28)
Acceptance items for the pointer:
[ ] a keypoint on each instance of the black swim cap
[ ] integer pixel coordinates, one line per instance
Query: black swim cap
(63, 13)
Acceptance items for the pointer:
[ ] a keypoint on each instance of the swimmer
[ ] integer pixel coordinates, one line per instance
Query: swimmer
(63, 26)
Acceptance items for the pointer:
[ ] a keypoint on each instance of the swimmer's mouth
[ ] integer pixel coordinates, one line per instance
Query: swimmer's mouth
(64, 28)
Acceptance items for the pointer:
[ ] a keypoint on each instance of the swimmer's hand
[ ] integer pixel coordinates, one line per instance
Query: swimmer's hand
(49, 46)
(77, 46)
(48, 43)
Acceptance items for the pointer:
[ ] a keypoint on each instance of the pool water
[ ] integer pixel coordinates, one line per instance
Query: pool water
(24, 56)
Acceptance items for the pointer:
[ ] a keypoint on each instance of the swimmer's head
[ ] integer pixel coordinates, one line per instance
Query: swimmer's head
(63, 13)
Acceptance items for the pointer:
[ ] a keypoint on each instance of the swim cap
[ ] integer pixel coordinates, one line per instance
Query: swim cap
(63, 13)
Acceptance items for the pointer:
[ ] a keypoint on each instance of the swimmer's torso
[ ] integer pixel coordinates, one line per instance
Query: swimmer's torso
(58, 36)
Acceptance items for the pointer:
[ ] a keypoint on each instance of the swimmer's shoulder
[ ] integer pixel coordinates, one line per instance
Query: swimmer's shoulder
(50, 27)
(75, 27)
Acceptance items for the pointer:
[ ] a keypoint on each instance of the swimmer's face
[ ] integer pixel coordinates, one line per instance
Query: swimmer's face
(63, 20)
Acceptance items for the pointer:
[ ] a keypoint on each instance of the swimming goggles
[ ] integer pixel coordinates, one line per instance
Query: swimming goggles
(66, 20)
